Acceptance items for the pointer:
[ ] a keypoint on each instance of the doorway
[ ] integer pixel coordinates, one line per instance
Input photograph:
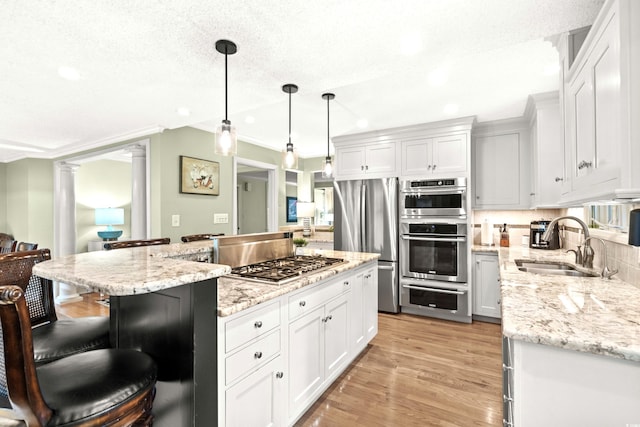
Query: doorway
(255, 196)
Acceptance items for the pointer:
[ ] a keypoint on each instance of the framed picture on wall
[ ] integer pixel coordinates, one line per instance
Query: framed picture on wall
(292, 209)
(199, 176)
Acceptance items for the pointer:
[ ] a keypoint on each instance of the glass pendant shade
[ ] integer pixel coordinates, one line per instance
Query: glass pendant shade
(327, 171)
(226, 139)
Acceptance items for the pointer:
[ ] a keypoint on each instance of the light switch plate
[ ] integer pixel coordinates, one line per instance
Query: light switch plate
(175, 220)
(221, 218)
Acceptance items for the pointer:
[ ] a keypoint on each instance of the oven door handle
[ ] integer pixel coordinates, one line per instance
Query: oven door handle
(435, 239)
(423, 192)
(441, 291)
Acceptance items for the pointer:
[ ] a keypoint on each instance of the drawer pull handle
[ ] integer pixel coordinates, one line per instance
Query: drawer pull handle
(584, 164)
(258, 324)
(303, 303)
(558, 179)
(346, 282)
(257, 354)
(326, 319)
(279, 375)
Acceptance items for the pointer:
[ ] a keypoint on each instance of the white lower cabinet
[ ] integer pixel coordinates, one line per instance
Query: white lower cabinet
(275, 359)
(486, 285)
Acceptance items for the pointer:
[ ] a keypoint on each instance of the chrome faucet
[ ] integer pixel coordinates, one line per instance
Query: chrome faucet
(605, 273)
(584, 256)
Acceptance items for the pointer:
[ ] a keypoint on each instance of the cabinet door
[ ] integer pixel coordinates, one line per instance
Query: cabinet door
(336, 334)
(356, 313)
(548, 154)
(497, 171)
(416, 157)
(306, 359)
(380, 159)
(370, 291)
(449, 154)
(350, 162)
(486, 286)
(257, 400)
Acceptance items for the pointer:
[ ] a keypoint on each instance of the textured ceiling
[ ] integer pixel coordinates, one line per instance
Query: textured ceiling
(141, 60)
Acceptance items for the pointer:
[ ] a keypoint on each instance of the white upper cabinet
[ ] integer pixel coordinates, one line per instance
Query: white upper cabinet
(442, 155)
(501, 164)
(601, 102)
(431, 149)
(547, 149)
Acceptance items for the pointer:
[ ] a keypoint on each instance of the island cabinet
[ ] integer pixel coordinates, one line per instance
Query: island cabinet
(279, 356)
(551, 386)
(442, 156)
(500, 153)
(601, 106)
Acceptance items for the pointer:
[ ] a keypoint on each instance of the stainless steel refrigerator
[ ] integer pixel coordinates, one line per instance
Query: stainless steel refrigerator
(366, 220)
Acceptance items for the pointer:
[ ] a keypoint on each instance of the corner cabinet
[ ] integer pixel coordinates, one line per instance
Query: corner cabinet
(277, 358)
(500, 153)
(438, 149)
(486, 285)
(601, 105)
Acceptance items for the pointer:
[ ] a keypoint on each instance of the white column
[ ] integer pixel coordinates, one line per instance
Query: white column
(66, 222)
(138, 192)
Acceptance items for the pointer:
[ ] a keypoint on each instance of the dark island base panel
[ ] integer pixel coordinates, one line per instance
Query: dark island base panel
(178, 328)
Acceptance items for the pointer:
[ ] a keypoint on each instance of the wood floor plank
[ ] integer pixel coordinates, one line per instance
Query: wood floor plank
(417, 371)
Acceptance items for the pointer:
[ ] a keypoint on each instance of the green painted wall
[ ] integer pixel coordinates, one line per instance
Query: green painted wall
(29, 201)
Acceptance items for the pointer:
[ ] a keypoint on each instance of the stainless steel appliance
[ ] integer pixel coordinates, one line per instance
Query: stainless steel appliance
(366, 220)
(537, 229)
(434, 249)
(433, 197)
(284, 270)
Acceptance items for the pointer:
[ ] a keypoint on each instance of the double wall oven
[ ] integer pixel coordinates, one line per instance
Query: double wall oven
(434, 249)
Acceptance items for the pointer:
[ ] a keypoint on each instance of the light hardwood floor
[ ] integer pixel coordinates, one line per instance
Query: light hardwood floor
(417, 371)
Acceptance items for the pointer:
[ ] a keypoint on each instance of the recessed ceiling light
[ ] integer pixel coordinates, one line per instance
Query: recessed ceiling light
(411, 43)
(438, 77)
(450, 109)
(362, 123)
(183, 111)
(249, 119)
(68, 73)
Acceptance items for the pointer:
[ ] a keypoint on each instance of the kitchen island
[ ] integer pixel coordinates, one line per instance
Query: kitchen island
(178, 311)
(571, 345)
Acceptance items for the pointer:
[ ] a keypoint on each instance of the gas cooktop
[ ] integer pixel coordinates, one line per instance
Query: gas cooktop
(283, 270)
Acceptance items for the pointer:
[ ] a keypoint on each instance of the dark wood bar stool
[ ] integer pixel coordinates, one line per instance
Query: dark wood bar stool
(196, 237)
(25, 246)
(52, 338)
(7, 246)
(136, 243)
(112, 387)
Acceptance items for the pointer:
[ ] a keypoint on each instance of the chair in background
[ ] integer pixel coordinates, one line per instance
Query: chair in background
(52, 338)
(7, 246)
(137, 243)
(24, 246)
(196, 237)
(112, 387)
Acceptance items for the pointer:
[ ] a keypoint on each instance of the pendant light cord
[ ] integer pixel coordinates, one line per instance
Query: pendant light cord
(328, 118)
(289, 117)
(225, 85)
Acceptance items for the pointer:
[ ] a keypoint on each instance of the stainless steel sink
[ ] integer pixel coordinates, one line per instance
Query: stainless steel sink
(551, 267)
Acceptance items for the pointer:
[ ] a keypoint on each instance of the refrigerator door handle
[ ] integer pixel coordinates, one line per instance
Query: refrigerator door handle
(363, 216)
(385, 267)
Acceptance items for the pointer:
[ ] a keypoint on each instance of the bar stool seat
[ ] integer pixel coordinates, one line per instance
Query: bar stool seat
(66, 337)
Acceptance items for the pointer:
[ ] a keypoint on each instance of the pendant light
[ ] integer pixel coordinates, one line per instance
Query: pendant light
(226, 140)
(289, 156)
(327, 172)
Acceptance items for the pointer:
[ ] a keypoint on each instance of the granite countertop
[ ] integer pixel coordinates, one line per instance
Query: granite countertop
(133, 271)
(235, 295)
(586, 314)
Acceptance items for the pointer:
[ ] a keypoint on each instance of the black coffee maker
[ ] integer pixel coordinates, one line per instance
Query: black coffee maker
(537, 229)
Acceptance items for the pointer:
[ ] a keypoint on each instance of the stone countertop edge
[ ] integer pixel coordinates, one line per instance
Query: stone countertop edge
(586, 314)
(235, 295)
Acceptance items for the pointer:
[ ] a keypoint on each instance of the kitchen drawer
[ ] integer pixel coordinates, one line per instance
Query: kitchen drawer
(252, 357)
(252, 325)
(305, 302)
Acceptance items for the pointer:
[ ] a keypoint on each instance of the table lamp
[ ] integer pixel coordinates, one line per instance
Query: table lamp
(306, 211)
(109, 217)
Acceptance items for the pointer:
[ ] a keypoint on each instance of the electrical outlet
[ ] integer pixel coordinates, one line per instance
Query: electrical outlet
(222, 218)
(175, 220)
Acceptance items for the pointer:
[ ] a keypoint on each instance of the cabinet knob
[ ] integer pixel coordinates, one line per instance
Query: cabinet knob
(279, 375)
(584, 164)
(506, 367)
(303, 303)
(366, 167)
(428, 167)
(258, 324)
(507, 398)
(434, 167)
(478, 197)
(257, 354)
(532, 194)
(558, 179)
(346, 283)
(361, 168)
